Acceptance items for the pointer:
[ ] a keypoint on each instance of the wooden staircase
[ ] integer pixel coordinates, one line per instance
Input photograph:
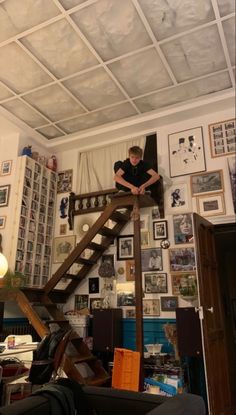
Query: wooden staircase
(80, 364)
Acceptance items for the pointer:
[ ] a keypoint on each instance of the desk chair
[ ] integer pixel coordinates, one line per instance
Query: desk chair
(25, 384)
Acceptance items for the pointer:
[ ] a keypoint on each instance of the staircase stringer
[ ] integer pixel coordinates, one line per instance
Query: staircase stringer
(82, 245)
(31, 314)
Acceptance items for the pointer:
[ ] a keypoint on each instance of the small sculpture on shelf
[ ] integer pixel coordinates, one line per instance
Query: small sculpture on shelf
(27, 151)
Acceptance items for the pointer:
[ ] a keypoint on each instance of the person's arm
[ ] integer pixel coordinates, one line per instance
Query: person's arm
(154, 177)
(119, 179)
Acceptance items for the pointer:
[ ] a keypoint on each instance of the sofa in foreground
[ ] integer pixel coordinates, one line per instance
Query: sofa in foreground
(65, 398)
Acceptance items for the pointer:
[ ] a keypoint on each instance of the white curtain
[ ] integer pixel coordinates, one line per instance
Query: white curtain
(95, 170)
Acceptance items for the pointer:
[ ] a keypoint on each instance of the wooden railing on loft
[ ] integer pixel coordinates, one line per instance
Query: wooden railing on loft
(98, 201)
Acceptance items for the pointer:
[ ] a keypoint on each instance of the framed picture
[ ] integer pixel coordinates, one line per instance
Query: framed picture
(222, 137)
(177, 198)
(130, 270)
(2, 222)
(209, 182)
(145, 238)
(93, 284)
(152, 259)
(160, 230)
(182, 259)
(211, 205)
(63, 229)
(186, 152)
(155, 213)
(95, 303)
(6, 168)
(144, 222)
(81, 301)
(183, 228)
(62, 247)
(155, 283)
(64, 183)
(130, 313)
(178, 279)
(232, 175)
(125, 247)
(151, 307)
(125, 294)
(169, 303)
(108, 258)
(4, 195)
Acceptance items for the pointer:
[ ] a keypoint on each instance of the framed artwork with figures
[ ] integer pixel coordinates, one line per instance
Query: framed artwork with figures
(186, 152)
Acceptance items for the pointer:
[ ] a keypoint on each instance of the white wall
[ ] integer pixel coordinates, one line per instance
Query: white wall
(12, 140)
(67, 161)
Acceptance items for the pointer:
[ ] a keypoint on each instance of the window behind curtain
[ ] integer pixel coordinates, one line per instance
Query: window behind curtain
(95, 170)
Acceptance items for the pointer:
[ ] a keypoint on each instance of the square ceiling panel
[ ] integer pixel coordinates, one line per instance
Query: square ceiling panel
(16, 17)
(71, 65)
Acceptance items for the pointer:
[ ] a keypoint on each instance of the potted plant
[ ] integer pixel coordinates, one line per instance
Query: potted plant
(14, 279)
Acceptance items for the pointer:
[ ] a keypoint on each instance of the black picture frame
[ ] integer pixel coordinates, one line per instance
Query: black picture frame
(93, 283)
(125, 247)
(169, 303)
(160, 230)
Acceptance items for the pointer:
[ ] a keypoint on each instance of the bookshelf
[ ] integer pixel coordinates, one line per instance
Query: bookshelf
(33, 221)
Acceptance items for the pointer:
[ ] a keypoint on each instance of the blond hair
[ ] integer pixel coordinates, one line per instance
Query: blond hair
(136, 151)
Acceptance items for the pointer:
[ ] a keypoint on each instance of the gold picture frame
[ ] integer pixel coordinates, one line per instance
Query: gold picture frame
(222, 137)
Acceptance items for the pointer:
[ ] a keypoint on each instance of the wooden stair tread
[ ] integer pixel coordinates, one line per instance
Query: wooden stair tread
(81, 359)
(97, 381)
(96, 247)
(120, 216)
(85, 261)
(104, 231)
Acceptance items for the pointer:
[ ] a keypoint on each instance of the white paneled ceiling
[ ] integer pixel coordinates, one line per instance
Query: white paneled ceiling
(70, 65)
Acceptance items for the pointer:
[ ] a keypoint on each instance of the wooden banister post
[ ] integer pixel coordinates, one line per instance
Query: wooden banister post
(138, 286)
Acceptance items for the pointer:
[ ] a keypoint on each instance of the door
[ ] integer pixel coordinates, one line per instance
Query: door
(212, 322)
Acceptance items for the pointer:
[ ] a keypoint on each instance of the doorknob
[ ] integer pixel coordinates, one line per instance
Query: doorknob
(210, 309)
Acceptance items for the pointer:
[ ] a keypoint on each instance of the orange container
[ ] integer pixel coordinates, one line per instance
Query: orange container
(126, 370)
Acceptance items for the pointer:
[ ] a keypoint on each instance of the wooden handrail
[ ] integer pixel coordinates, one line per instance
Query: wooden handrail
(98, 201)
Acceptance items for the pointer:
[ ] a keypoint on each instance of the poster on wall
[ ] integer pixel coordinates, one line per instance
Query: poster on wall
(186, 152)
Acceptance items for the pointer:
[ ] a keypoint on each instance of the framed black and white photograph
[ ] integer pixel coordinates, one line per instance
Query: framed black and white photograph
(62, 247)
(186, 152)
(93, 284)
(177, 198)
(152, 259)
(155, 213)
(4, 195)
(125, 247)
(81, 301)
(169, 303)
(155, 283)
(64, 183)
(211, 205)
(6, 168)
(209, 182)
(2, 222)
(183, 228)
(182, 259)
(151, 307)
(160, 230)
(222, 137)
